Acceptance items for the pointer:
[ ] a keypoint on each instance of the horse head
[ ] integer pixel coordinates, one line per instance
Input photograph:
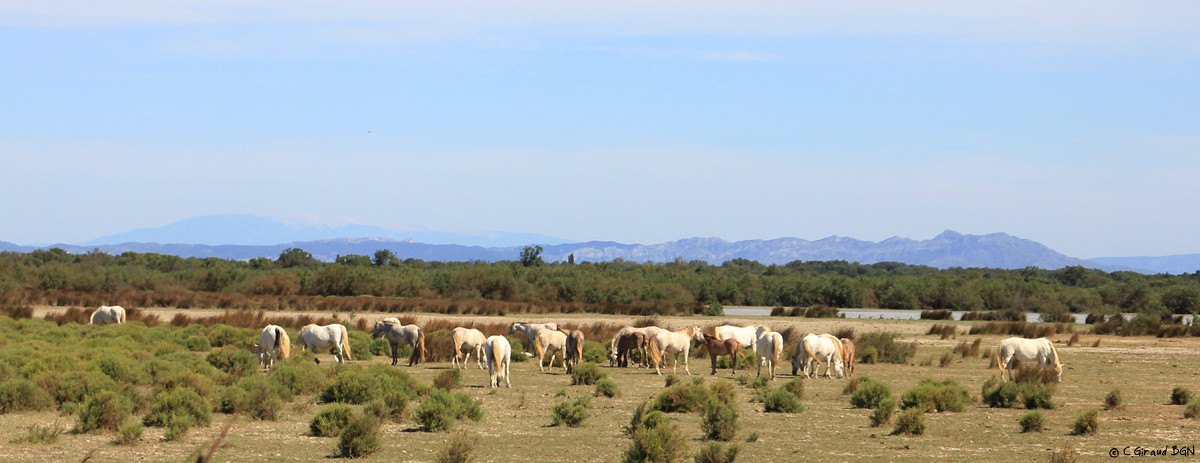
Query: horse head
(512, 329)
(380, 329)
(697, 333)
(760, 329)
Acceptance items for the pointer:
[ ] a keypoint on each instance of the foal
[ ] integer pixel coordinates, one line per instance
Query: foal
(717, 347)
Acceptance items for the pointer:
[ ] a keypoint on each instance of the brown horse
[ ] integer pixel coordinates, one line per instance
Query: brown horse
(624, 343)
(717, 347)
(848, 355)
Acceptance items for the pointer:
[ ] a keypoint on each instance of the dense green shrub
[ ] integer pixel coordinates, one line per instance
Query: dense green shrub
(330, 420)
(998, 394)
(1180, 396)
(932, 396)
(606, 387)
(106, 411)
(571, 413)
(682, 397)
(655, 439)
(1192, 409)
(782, 401)
(720, 421)
(458, 450)
(360, 438)
(1088, 422)
(595, 352)
(448, 379)
(440, 409)
(886, 347)
(1032, 421)
(882, 414)
(714, 452)
(233, 360)
(355, 385)
(390, 406)
(259, 397)
(869, 393)
(1114, 400)
(796, 387)
(178, 408)
(22, 395)
(587, 374)
(1037, 396)
(198, 343)
(300, 375)
(130, 432)
(910, 422)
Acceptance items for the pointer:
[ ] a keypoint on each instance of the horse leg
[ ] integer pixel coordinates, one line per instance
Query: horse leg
(395, 354)
(712, 358)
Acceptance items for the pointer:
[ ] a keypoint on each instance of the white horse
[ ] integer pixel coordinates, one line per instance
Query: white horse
(649, 331)
(552, 341)
(674, 342)
(768, 347)
(530, 330)
(313, 337)
(396, 333)
(466, 341)
(498, 353)
(273, 337)
(1040, 349)
(814, 349)
(745, 335)
(108, 314)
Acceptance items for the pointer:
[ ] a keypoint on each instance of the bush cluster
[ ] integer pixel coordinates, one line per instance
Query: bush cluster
(869, 393)
(571, 413)
(932, 396)
(882, 347)
(441, 409)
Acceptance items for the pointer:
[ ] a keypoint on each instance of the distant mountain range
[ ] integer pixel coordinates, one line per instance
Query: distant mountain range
(246, 237)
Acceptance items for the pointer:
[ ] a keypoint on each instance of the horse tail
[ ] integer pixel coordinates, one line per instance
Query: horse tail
(809, 351)
(1054, 352)
(420, 345)
(284, 342)
(92, 320)
(579, 348)
(655, 352)
(123, 320)
(345, 341)
(777, 340)
(494, 346)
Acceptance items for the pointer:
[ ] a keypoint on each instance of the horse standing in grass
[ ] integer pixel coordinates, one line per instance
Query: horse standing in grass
(848, 355)
(648, 331)
(108, 314)
(273, 337)
(466, 341)
(717, 347)
(313, 337)
(574, 351)
(745, 335)
(530, 330)
(674, 342)
(498, 353)
(552, 341)
(813, 349)
(769, 347)
(622, 344)
(396, 334)
(1040, 349)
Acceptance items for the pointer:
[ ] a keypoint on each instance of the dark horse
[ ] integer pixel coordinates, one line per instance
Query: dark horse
(717, 347)
(634, 341)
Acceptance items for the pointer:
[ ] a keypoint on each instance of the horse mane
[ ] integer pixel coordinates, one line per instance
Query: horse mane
(708, 337)
(283, 342)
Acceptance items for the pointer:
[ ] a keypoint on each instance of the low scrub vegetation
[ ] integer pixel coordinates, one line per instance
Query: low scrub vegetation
(933, 396)
(1087, 423)
(869, 393)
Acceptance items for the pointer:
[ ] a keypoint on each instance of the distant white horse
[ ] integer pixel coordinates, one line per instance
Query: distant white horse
(498, 353)
(745, 335)
(396, 334)
(552, 341)
(674, 342)
(313, 337)
(1040, 349)
(108, 314)
(769, 346)
(814, 349)
(273, 337)
(530, 330)
(649, 331)
(466, 341)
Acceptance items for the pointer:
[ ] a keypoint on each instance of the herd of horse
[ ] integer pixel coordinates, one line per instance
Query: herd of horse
(652, 343)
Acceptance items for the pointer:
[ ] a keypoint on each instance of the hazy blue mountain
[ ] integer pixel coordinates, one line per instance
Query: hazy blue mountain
(243, 229)
(1183, 263)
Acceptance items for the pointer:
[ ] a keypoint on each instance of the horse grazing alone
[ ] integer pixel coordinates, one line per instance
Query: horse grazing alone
(622, 344)
(313, 337)
(848, 355)
(745, 335)
(466, 341)
(1040, 349)
(108, 314)
(530, 330)
(814, 349)
(716, 347)
(574, 352)
(498, 353)
(273, 337)
(397, 333)
(674, 342)
(769, 345)
(552, 341)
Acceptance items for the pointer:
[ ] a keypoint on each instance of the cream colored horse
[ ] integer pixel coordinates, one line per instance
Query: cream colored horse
(108, 314)
(530, 330)
(674, 342)
(273, 337)
(466, 341)
(849, 354)
(814, 349)
(498, 353)
(313, 337)
(747, 335)
(574, 351)
(552, 341)
(1040, 349)
(768, 347)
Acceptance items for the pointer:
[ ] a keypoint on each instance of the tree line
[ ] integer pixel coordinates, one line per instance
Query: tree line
(679, 283)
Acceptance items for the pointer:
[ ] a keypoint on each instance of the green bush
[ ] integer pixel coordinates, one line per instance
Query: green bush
(885, 348)
(595, 352)
(1114, 400)
(518, 350)
(198, 343)
(1180, 396)
(869, 393)
(1037, 396)
(720, 421)
(360, 438)
(571, 413)
(105, 411)
(932, 396)
(439, 411)
(180, 407)
(998, 394)
(869, 355)
(1192, 409)
(782, 401)
(910, 422)
(713, 452)
(682, 397)
(587, 374)
(37, 434)
(1087, 423)
(361, 343)
(448, 379)
(1032, 421)
(606, 387)
(458, 450)
(300, 375)
(390, 406)
(233, 360)
(130, 432)
(883, 412)
(22, 395)
(75, 386)
(796, 387)
(655, 439)
(224, 335)
(331, 420)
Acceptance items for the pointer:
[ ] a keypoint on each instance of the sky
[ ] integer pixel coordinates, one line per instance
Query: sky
(1074, 124)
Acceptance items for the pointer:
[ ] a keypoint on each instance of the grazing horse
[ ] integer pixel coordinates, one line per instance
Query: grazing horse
(813, 349)
(466, 341)
(551, 341)
(633, 340)
(273, 337)
(313, 337)
(530, 330)
(1040, 349)
(848, 355)
(498, 353)
(769, 346)
(574, 352)
(674, 342)
(108, 314)
(745, 335)
(649, 331)
(396, 334)
(717, 347)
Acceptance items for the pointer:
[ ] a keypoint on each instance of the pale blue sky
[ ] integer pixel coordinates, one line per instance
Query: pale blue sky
(1075, 124)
